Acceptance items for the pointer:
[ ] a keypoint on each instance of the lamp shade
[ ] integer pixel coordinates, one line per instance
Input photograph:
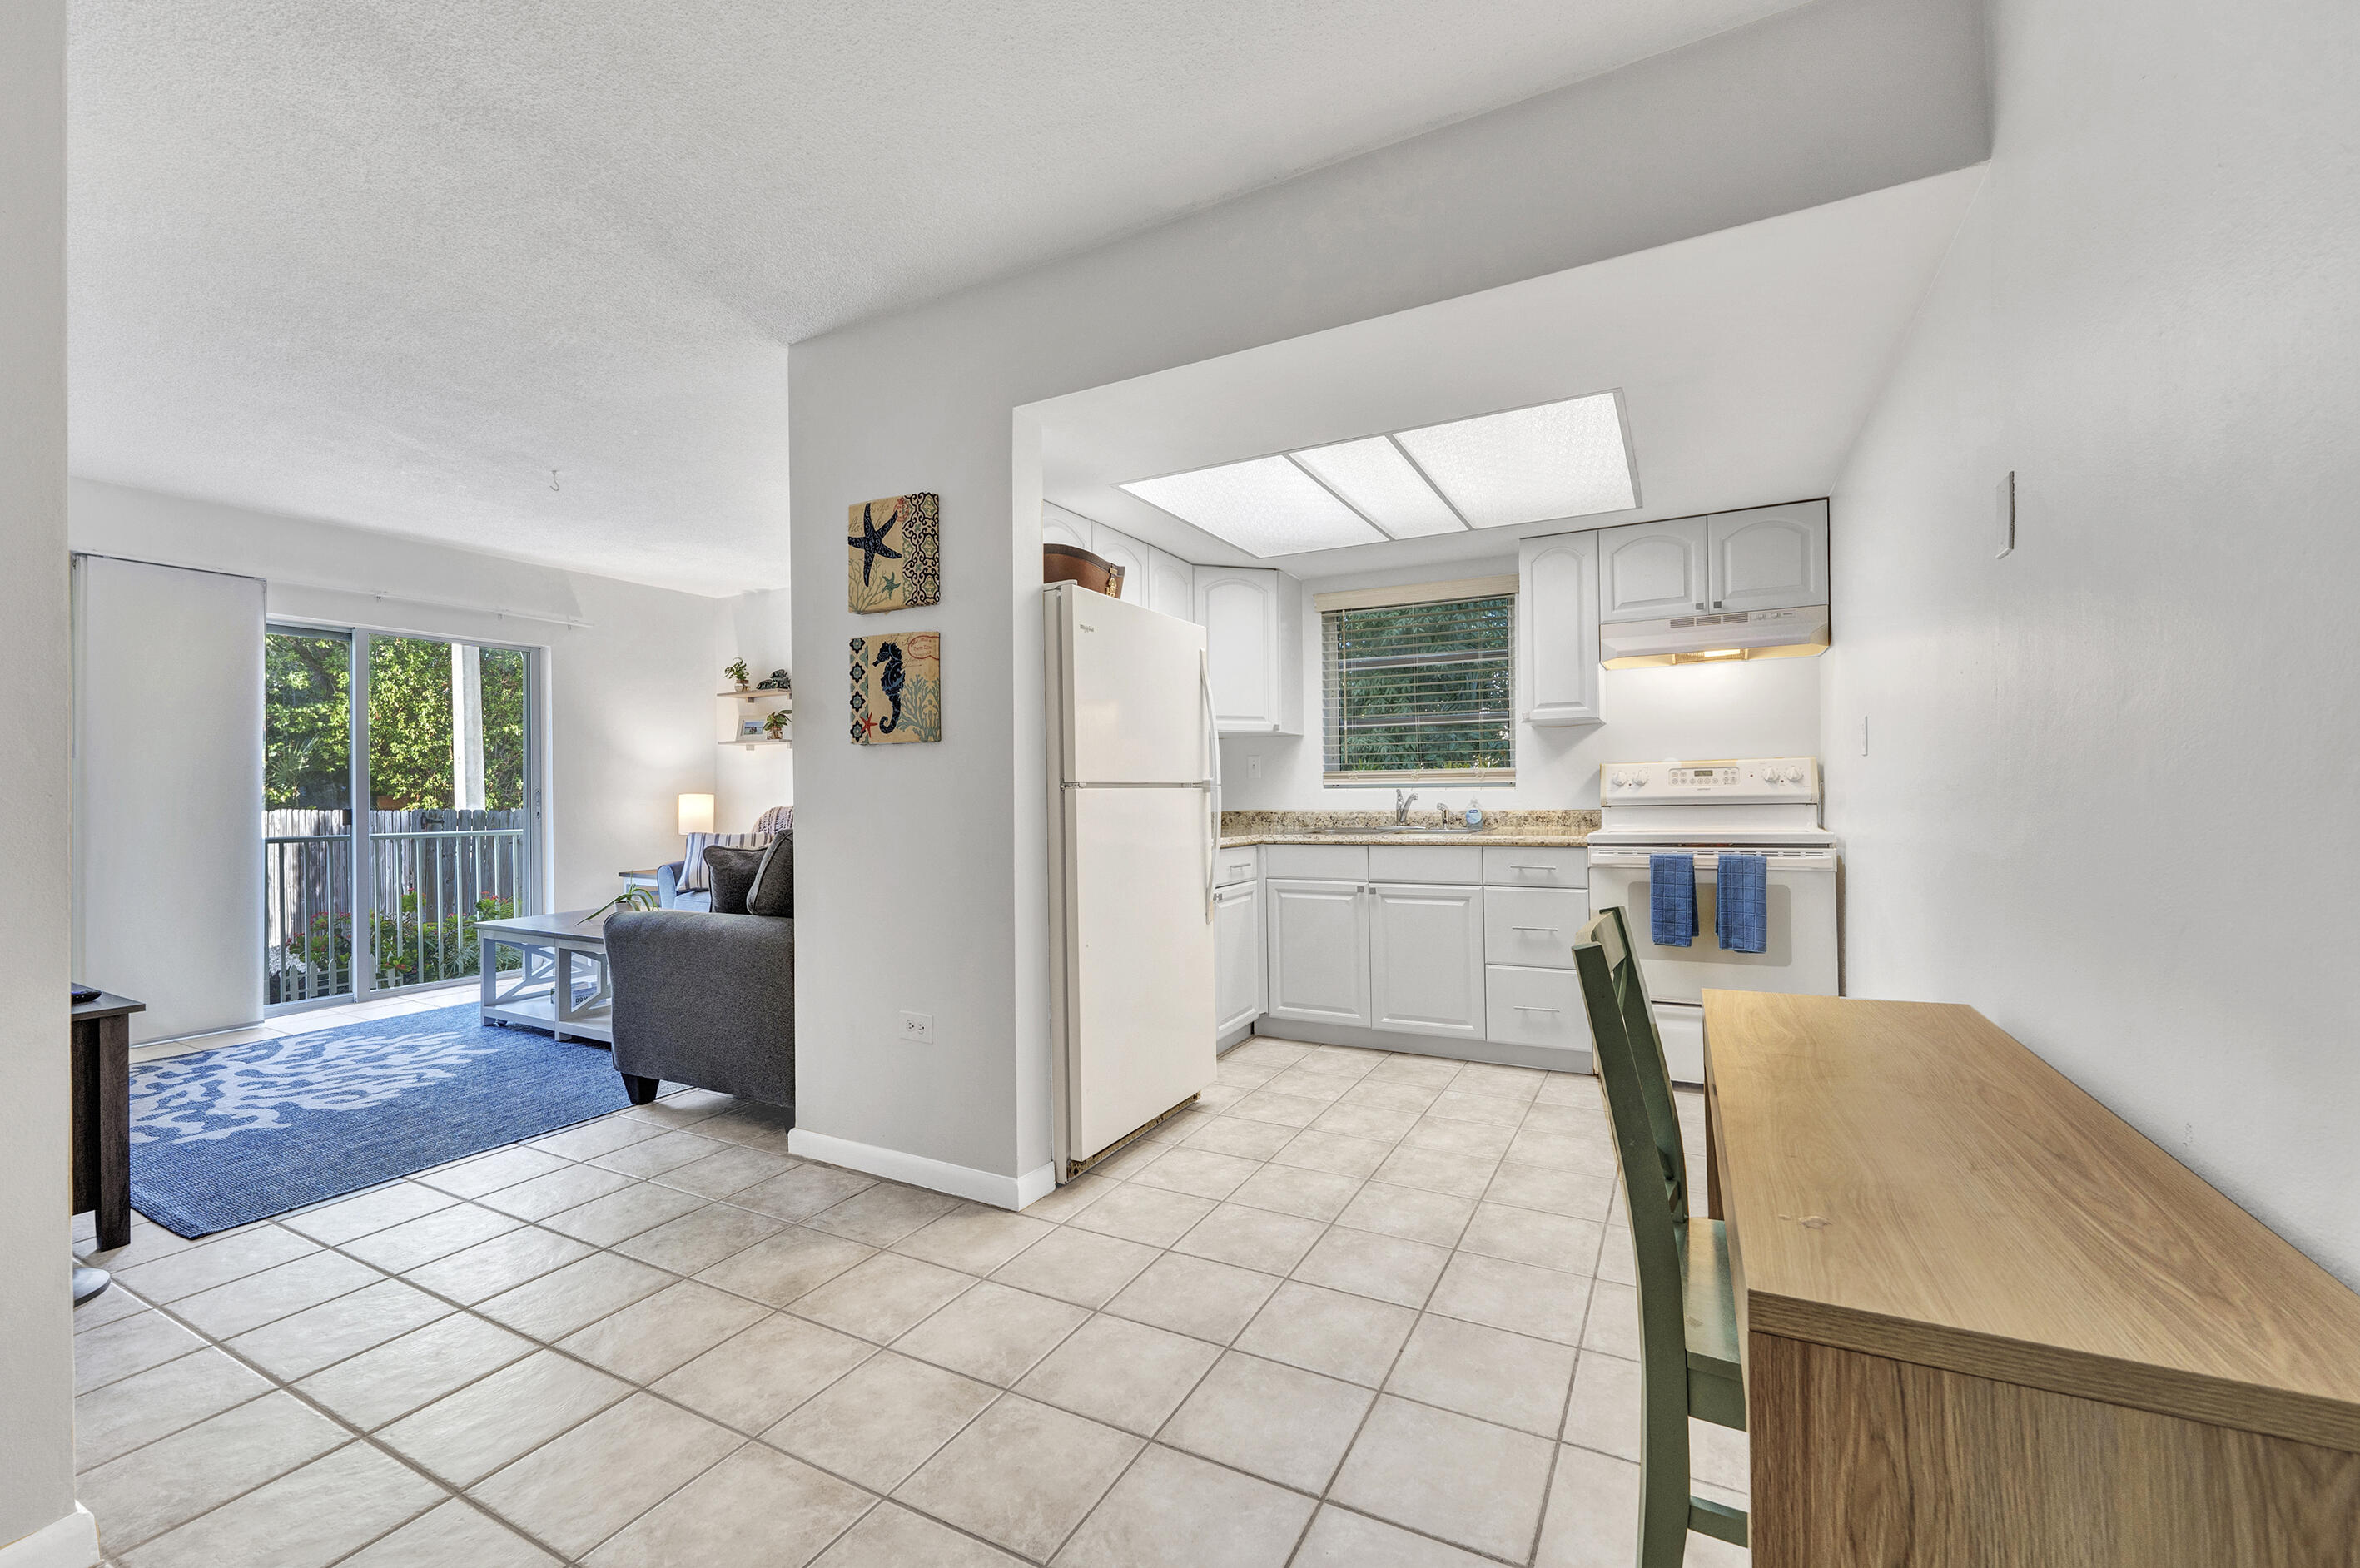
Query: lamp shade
(695, 814)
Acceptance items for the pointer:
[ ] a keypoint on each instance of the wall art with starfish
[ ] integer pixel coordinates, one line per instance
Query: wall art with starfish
(895, 553)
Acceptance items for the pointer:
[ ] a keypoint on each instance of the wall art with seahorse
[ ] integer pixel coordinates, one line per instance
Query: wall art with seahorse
(897, 688)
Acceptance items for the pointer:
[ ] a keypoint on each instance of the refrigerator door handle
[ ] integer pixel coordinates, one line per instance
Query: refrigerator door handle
(1213, 779)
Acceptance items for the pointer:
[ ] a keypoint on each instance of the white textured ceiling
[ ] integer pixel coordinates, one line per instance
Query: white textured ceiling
(1747, 359)
(390, 262)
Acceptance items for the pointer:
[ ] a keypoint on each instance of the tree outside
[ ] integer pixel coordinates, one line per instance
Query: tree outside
(307, 700)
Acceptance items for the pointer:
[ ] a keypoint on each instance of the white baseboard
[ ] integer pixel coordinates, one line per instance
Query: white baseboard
(917, 1170)
(68, 1542)
(1499, 1053)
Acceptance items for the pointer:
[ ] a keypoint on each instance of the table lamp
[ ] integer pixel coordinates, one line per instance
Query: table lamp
(695, 814)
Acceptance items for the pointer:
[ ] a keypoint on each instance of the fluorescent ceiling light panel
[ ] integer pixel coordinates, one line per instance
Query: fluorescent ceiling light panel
(1267, 507)
(1560, 460)
(1382, 486)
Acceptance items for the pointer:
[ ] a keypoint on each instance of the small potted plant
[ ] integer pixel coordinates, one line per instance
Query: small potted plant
(775, 724)
(740, 674)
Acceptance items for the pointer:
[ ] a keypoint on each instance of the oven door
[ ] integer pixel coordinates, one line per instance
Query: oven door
(1800, 955)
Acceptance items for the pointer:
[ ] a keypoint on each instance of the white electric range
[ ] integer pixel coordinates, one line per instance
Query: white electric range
(1765, 806)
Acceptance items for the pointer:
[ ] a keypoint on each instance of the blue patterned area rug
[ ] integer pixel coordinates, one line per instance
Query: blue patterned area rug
(219, 1138)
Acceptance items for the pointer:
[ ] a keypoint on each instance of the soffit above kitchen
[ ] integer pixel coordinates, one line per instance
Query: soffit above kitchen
(1737, 366)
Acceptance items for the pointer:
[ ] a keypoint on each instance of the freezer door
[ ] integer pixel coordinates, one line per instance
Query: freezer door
(1139, 960)
(1135, 698)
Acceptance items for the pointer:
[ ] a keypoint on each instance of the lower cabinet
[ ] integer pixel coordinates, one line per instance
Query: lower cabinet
(1237, 957)
(1537, 1007)
(1426, 959)
(1319, 951)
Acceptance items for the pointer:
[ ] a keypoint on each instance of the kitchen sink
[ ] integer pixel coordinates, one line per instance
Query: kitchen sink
(1400, 828)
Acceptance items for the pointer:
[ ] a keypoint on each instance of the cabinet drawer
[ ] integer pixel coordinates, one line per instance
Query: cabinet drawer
(1459, 863)
(1535, 1007)
(1506, 867)
(1235, 865)
(1331, 862)
(1533, 926)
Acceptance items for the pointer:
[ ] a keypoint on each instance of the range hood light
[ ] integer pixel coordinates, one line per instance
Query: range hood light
(1722, 653)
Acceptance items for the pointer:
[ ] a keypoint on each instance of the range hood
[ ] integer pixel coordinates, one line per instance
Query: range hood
(1710, 640)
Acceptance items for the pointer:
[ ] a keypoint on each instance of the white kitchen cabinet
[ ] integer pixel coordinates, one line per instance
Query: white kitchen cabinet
(1060, 527)
(1254, 645)
(1319, 951)
(1171, 584)
(1648, 570)
(1426, 959)
(1556, 630)
(1537, 1007)
(1237, 958)
(1769, 558)
(1121, 550)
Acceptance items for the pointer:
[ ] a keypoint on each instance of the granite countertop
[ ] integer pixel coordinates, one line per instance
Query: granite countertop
(1535, 830)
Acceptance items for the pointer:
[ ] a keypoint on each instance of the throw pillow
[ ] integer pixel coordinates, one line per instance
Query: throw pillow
(773, 892)
(732, 871)
(692, 876)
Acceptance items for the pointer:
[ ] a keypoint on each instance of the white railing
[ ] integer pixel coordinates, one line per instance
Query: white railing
(431, 875)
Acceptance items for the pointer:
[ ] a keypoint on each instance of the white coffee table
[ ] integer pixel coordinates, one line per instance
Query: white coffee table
(562, 982)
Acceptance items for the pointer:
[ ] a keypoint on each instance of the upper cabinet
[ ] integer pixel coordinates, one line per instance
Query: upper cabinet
(1171, 584)
(1121, 550)
(1556, 630)
(1648, 570)
(1253, 618)
(1061, 527)
(1769, 558)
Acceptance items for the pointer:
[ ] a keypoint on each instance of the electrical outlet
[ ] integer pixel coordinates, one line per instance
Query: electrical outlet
(918, 1028)
(1254, 766)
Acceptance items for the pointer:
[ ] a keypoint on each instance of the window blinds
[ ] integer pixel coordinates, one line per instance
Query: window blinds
(1420, 691)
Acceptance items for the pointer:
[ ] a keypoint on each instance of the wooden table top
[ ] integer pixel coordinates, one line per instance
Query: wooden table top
(1906, 1180)
(567, 925)
(106, 1004)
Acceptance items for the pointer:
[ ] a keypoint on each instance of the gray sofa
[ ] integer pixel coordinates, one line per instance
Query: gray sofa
(704, 1000)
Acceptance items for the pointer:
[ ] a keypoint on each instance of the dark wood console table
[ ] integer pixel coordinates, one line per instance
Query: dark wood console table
(102, 1114)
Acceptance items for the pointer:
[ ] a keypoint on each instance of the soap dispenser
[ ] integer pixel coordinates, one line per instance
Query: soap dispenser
(1474, 816)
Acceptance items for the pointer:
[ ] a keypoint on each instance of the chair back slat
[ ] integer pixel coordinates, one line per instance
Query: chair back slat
(1611, 931)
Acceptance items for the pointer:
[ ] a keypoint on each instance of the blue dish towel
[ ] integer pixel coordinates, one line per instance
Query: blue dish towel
(1741, 917)
(1671, 900)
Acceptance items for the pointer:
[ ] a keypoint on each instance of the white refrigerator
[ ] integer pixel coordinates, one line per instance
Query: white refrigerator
(1134, 828)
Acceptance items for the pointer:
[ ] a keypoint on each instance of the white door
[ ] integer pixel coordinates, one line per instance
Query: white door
(1770, 558)
(1426, 959)
(1651, 570)
(1171, 584)
(1139, 960)
(1134, 693)
(1238, 607)
(1238, 957)
(1127, 552)
(1556, 630)
(1318, 952)
(1061, 527)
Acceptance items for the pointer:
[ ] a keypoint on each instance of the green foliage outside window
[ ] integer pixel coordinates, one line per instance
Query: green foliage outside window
(306, 744)
(1421, 691)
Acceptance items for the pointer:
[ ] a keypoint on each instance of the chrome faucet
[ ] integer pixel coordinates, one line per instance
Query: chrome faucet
(1443, 806)
(1402, 804)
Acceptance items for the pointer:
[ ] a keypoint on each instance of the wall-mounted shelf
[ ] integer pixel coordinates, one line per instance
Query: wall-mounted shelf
(755, 694)
(750, 745)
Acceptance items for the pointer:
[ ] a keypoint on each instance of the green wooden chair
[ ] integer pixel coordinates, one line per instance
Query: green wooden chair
(1688, 1311)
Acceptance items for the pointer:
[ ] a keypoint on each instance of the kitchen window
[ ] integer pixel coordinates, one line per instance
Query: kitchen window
(1420, 683)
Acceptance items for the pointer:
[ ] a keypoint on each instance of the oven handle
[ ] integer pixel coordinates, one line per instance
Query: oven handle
(1708, 861)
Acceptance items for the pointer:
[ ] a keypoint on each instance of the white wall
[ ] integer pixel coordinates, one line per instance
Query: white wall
(921, 867)
(1765, 709)
(167, 770)
(2113, 790)
(629, 694)
(36, 1323)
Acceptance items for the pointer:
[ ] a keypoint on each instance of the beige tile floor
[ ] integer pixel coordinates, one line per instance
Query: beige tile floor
(1358, 1309)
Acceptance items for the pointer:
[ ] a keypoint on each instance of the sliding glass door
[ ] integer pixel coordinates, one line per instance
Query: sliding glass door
(398, 779)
